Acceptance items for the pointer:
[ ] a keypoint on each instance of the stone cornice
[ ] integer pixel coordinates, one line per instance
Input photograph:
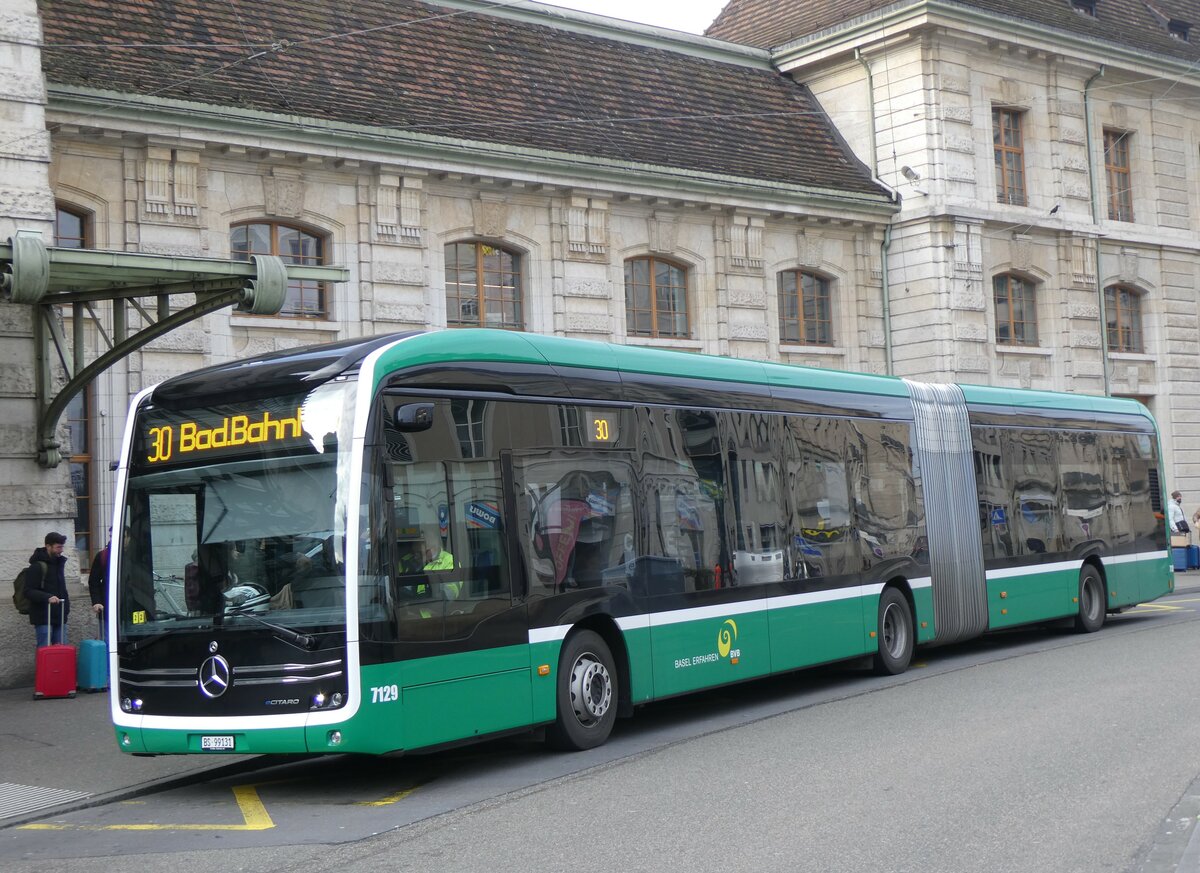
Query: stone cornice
(255, 129)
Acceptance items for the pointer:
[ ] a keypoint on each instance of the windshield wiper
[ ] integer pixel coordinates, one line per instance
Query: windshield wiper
(286, 634)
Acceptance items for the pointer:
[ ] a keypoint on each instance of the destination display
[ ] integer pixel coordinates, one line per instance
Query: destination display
(166, 437)
(602, 427)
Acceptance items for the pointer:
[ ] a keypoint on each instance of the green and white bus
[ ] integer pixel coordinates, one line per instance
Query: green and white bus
(411, 541)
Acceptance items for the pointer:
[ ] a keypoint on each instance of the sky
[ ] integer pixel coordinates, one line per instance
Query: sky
(687, 15)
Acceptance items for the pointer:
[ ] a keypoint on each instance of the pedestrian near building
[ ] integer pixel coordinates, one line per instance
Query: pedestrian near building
(1175, 519)
(46, 590)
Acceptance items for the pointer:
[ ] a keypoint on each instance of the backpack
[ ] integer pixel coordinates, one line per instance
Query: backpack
(20, 600)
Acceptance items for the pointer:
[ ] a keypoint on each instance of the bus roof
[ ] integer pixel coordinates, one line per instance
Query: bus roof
(304, 367)
(502, 346)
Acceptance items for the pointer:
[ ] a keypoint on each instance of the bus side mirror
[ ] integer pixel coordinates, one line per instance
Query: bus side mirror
(413, 417)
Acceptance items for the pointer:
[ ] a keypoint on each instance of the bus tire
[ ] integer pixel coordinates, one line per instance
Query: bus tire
(586, 692)
(896, 639)
(1093, 605)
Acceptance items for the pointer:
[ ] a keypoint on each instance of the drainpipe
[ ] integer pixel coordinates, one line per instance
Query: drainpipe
(1095, 186)
(885, 291)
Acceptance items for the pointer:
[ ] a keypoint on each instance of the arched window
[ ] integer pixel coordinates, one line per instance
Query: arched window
(656, 298)
(483, 286)
(306, 298)
(1016, 311)
(805, 309)
(72, 228)
(1123, 311)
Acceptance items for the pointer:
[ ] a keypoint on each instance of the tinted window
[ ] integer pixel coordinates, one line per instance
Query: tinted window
(816, 483)
(575, 509)
(450, 568)
(756, 500)
(887, 507)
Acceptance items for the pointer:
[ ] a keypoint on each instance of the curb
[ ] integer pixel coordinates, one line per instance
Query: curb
(154, 786)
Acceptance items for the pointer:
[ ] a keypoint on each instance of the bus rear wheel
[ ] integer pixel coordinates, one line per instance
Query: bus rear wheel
(896, 638)
(1092, 603)
(586, 689)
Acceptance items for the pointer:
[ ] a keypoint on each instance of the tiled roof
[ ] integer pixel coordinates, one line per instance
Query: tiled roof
(1136, 24)
(443, 71)
(770, 23)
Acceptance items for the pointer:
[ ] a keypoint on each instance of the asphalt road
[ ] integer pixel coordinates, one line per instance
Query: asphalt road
(1029, 751)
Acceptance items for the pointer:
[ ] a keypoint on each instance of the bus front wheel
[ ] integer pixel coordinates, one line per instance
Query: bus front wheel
(1092, 602)
(896, 638)
(586, 692)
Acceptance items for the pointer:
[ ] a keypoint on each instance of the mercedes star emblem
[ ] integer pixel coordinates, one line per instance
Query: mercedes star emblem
(214, 676)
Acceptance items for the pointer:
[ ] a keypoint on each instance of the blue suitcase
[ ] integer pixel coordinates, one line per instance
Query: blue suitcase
(92, 673)
(1180, 554)
(1194, 557)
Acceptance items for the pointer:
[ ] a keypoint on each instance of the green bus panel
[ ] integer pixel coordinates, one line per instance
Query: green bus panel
(814, 633)
(459, 696)
(1133, 582)
(637, 644)
(926, 627)
(1032, 597)
(441, 712)
(690, 655)
(542, 697)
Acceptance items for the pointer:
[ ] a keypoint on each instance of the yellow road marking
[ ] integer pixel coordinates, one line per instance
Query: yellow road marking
(254, 818)
(1162, 606)
(390, 799)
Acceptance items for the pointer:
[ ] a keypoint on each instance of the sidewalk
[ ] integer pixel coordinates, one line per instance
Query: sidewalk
(58, 755)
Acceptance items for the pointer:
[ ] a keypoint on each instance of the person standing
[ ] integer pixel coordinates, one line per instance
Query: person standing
(46, 589)
(1175, 519)
(98, 582)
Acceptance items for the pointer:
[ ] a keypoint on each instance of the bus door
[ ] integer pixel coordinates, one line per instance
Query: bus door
(461, 640)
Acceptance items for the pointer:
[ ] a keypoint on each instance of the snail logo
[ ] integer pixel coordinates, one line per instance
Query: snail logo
(726, 637)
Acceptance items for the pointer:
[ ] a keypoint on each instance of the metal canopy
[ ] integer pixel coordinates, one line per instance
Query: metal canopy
(44, 277)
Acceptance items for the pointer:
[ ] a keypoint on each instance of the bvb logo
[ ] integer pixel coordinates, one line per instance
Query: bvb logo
(726, 637)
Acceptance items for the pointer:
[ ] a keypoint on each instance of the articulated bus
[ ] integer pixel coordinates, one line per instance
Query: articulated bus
(417, 540)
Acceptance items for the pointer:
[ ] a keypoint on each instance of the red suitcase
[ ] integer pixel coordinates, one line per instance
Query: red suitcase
(54, 671)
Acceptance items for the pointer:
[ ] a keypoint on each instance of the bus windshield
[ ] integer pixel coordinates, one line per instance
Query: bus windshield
(230, 536)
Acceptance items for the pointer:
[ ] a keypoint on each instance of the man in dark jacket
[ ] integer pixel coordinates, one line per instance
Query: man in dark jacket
(46, 588)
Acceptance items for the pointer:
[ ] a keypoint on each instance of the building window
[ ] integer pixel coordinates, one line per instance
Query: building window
(483, 286)
(1179, 29)
(306, 298)
(805, 311)
(71, 229)
(1116, 165)
(1123, 310)
(1016, 311)
(655, 298)
(78, 418)
(1010, 156)
(1085, 7)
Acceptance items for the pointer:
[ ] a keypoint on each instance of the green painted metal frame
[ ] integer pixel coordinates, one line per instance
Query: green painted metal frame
(45, 278)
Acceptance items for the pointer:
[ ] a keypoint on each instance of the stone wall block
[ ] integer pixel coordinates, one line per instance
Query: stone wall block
(16, 380)
(36, 501)
(589, 323)
(748, 330)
